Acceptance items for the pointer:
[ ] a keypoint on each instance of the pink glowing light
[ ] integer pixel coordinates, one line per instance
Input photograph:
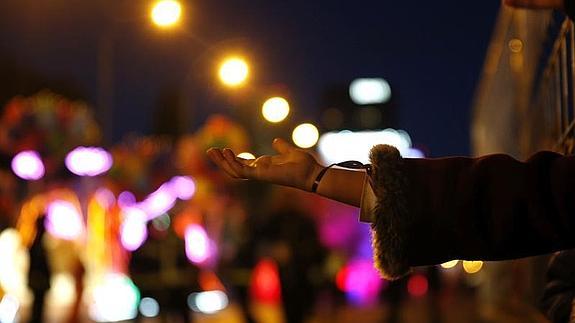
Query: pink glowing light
(64, 220)
(133, 230)
(159, 202)
(183, 187)
(360, 281)
(105, 197)
(28, 165)
(88, 161)
(197, 244)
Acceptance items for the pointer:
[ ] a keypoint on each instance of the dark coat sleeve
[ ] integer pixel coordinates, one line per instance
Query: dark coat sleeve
(490, 208)
(559, 292)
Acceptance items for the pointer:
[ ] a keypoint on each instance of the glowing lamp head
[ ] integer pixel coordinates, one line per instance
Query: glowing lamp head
(275, 109)
(305, 135)
(166, 13)
(88, 161)
(234, 72)
(28, 165)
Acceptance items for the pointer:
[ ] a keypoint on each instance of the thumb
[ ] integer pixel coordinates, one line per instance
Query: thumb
(282, 146)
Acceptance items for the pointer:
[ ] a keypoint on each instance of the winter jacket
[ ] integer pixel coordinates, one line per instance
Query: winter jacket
(429, 211)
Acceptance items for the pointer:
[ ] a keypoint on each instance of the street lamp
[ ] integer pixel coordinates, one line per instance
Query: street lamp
(275, 109)
(305, 135)
(234, 71)
(166, 13)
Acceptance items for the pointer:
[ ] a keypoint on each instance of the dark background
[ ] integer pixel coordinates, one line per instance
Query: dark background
(430, 52)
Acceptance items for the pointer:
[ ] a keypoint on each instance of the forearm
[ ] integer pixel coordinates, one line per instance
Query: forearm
(342, 185)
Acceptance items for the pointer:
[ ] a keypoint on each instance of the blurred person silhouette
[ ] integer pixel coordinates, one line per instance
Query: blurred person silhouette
(39, 273)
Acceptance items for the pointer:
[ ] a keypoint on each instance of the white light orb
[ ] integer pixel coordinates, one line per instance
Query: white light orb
(166, 13)
(275, 109)
(234, 71)
(366, 91)
(305, 135)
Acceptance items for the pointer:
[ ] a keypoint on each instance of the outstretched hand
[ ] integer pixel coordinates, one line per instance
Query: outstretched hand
(536, 4)
(290, 167)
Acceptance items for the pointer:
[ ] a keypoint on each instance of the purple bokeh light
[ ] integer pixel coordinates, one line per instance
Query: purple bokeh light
(88, 161)
(28, 165)
(361, 282)
(183, 187)
(158, 202)
(126, 199)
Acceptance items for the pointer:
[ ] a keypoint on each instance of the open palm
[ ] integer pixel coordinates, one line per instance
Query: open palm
(290, 167)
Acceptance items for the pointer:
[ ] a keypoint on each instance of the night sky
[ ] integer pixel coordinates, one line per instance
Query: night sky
(430, 52)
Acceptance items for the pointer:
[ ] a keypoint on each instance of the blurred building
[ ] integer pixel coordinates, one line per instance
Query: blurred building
(524, 103)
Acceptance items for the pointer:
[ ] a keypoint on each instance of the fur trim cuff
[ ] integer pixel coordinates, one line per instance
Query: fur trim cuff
(391, 219)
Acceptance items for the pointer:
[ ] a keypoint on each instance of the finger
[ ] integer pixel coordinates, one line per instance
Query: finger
(236, 165)
(218, 158)
(282, 146)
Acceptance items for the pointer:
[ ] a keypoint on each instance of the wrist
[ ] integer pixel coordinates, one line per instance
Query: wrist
(315, 171)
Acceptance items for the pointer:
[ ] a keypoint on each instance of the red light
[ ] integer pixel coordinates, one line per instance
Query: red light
(417, 285)
(265, 282)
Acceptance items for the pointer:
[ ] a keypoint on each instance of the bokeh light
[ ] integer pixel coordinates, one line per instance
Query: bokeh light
(158, 202)
(347, 145)
(449, 264)
(13, 267)
(360, 281)
(367, 91)
(305, 135)
(126, 199)
(166, 13)
(63, 289)
(64, 220)
(275, 109)
(182, 187)
(9, 306)
(149, 307)
(209, 302)
(88, 161)
(234, 71)
(246, 155)
(265, 284)
(197, 244)
(133, 230)
(472, 267)
(28, 165)
(115, 298)
(417, 285)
